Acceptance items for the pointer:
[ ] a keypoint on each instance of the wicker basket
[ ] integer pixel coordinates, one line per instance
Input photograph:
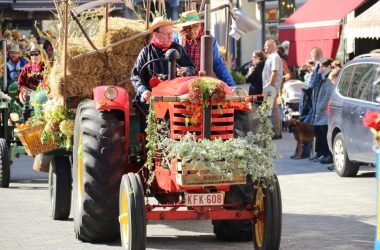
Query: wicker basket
(31, 140)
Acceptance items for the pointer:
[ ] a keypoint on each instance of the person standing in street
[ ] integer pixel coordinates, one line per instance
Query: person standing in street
(272, 80)
(315, 55)
(255, 73)
(321, 97)
(305, 106)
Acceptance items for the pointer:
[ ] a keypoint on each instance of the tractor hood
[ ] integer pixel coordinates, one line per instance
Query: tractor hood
(176, 87)
(179, 86)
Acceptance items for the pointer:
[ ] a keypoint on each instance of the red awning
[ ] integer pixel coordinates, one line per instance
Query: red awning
(316, 24)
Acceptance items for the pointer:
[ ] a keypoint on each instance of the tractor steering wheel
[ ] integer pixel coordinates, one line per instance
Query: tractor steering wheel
(144, 71)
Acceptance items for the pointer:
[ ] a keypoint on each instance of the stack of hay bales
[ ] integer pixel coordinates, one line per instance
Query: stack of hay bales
(108, 68)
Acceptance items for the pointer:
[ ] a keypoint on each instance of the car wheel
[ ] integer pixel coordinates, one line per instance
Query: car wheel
(343, 166)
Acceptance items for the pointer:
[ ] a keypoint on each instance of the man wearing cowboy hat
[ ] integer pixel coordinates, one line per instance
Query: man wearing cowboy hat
(31, 75)
(191, 31)
(15, 63)
(161, 29)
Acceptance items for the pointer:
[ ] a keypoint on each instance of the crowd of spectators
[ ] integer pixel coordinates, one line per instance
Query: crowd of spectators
(26, 56)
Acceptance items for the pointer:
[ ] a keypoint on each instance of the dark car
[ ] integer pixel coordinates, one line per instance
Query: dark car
(356, 91)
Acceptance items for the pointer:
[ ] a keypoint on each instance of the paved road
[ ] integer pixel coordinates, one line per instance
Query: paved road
(320, 211)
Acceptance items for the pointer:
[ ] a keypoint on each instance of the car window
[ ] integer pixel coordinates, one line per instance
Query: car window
(376, 88)
(362, 81)
(344, 81)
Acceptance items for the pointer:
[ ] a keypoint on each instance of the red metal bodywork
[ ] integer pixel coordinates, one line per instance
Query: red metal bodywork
(173, 212)
(165, 181)
(222, 127)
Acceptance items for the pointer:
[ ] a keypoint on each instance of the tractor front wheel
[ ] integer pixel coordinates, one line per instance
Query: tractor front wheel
(132, 213)
(99, 162)
(5, 168)
(266, 227)
(235, 230)
(60, 187)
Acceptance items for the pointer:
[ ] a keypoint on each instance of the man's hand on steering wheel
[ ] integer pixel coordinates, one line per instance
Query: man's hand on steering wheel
(145, 96)
(145, 71)
(181, 71)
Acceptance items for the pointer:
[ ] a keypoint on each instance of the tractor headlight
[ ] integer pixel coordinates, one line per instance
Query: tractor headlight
(14, 117)
(110, 93)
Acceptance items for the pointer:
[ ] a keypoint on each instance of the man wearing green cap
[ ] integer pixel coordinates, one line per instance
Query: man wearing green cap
(191, 31)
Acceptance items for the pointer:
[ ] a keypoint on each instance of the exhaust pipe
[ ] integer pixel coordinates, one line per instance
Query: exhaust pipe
(207, 41)
(207, 67)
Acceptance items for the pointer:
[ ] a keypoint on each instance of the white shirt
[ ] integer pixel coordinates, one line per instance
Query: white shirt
(273, 62)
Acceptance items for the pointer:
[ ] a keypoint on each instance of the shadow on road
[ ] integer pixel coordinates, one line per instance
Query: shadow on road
(299, 231)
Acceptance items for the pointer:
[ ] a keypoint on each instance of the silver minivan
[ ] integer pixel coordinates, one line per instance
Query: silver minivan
(356, 91)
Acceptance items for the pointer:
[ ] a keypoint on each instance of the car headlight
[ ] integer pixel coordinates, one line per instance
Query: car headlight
(14, 117)
(110, 93)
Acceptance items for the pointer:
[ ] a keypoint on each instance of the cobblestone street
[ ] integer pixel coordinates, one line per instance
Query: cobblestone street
(320, 211)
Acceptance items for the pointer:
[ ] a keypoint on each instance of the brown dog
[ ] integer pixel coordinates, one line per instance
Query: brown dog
(303, 132)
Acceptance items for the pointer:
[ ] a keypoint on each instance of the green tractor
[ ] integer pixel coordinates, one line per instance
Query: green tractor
(12, 111)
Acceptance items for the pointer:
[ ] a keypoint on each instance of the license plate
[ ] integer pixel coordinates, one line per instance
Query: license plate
(209, 199)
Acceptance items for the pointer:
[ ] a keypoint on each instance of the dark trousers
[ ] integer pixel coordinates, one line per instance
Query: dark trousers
(143, 108)
(321, 146)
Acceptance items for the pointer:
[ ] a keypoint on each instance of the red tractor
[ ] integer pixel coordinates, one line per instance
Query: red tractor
(101, 149)
(110, 188)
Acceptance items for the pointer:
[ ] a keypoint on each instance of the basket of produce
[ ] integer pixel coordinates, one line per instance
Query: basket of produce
(48, 129)
(30, 137)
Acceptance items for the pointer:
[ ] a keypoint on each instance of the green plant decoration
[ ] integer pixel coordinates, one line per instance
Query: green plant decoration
(252, 155)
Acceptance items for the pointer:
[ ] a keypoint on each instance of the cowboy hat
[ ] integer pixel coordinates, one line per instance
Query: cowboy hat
(159, 22)
(23, 38)
(34, 48)
(15, 48)
(188, 18)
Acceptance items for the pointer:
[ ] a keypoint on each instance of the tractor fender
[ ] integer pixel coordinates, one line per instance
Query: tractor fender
(121, 102)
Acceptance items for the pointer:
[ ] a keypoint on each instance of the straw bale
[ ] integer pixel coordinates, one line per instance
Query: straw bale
(118, 29)
(108, 68)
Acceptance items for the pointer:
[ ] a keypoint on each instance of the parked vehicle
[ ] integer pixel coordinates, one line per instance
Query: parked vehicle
(103, 165)
(356, 91)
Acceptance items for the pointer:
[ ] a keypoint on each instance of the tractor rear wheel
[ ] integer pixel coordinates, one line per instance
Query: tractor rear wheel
(60, 187)
(98, 164)
(5, 168)
(266, 227)
(132, 213)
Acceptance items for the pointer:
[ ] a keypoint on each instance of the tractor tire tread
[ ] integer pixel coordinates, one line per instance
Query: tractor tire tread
(103, 167)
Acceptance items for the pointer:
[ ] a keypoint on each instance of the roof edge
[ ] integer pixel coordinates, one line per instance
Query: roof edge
(310, 24)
